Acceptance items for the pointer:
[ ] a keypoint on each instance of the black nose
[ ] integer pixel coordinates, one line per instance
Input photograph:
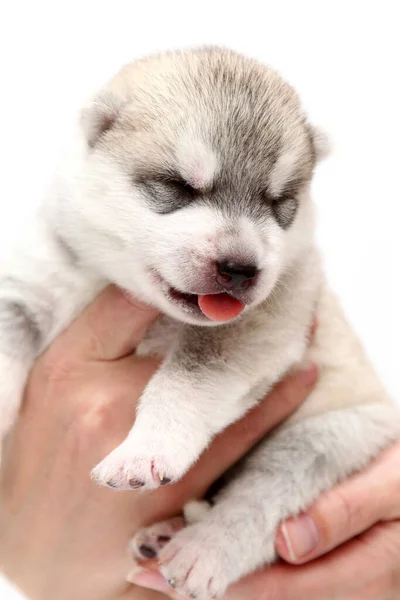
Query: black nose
(233, 276)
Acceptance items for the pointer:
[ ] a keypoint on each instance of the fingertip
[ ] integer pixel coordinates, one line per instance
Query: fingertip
(297, 539)
(150, 579)
(296, 386)
(309, 376)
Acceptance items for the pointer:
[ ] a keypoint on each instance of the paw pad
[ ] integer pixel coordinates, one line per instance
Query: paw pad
(147, 552)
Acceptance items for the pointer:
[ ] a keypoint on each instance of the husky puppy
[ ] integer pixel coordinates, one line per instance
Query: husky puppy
(188, 185)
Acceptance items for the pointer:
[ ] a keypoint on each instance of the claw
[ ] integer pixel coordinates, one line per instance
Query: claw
(163, 479)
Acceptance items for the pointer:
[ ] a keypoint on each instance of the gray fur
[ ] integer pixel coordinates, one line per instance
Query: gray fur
(18, 326)
(66, 249)
(24, 317)
(232, 89)
(279, 479)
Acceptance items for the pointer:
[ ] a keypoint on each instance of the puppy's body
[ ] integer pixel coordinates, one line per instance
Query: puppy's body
(189, 178)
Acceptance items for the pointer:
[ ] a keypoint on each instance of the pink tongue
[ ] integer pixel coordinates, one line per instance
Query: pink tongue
(220, 307)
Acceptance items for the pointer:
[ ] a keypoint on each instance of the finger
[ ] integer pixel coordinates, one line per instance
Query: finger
(367, 568)
(364, 569)
(344, 512)
(146, 575)
(150, 578)
(111, 327)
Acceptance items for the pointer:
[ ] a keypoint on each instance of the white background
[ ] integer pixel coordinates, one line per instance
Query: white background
(341, 55)
(343, 58)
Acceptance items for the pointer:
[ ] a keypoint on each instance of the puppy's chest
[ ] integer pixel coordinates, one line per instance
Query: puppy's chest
(162, 339)
(246, 344)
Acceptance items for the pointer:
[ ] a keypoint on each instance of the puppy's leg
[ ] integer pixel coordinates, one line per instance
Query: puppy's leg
(282, 477)
(201, 388)
(177, 416)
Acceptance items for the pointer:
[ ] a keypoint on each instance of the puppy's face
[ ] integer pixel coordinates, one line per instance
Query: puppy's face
(194, 182)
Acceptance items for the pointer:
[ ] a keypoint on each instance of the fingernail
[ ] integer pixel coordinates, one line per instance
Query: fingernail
(152, 580)
(300, 537)
(136, 568)
(309, 376)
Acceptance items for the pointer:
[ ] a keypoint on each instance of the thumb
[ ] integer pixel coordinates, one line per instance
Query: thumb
(108, 329)
(345, 512)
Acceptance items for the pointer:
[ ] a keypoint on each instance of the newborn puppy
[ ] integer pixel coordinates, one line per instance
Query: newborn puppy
(188, 186)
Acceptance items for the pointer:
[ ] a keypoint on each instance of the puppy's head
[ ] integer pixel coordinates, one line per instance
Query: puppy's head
(193, 182)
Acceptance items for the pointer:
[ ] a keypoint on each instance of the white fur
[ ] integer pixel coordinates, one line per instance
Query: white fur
(198, 162)
(283, 169)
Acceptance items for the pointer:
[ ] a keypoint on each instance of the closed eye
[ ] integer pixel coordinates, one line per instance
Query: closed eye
(180, 185)
(168, 192)
(284, 208)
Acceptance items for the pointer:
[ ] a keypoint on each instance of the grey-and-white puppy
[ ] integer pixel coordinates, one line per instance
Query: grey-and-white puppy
(188, 186)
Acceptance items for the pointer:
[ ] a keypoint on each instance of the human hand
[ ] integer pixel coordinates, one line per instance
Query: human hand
(61, 537)
(358, 525)
(346, 547)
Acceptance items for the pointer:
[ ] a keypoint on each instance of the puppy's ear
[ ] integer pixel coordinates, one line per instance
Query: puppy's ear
(100, 115)
(322, 143)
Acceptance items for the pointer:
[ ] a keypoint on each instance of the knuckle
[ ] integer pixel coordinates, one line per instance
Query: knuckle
(348, 512)
(349, 516)
(93, 423)
(95, 411)
(95, 345)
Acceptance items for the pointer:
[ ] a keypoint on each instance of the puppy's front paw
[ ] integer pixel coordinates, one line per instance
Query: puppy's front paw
(146, 466)
(167, 438)
(149, 541)
(199, 562)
